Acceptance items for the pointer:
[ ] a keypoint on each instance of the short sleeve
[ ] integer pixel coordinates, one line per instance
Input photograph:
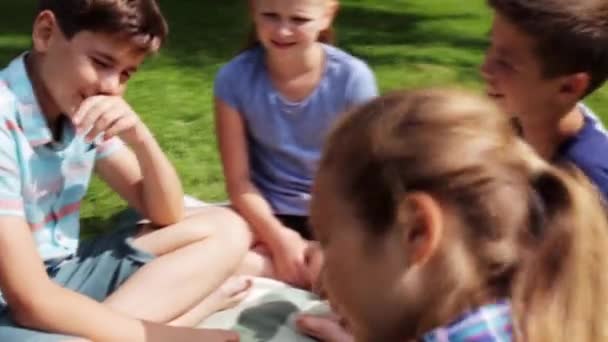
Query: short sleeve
(107, 148)
(226, 87)
(362, 85)
(11, 198)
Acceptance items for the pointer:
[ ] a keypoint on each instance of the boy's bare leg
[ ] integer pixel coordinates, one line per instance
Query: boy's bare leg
(229, 294)
(195, 257)
(258, 263)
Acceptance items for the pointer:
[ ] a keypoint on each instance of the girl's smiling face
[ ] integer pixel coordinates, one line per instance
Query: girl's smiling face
(290, 25)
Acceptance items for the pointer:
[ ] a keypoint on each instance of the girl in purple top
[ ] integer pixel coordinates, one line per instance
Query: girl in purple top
(275, 103)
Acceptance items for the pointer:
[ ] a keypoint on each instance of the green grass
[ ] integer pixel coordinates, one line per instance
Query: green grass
(408, 43)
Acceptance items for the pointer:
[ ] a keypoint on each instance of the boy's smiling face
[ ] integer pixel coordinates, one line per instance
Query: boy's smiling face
(88, 64)
(514, 75)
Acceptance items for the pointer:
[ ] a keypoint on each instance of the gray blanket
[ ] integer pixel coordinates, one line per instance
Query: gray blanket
(268, 313)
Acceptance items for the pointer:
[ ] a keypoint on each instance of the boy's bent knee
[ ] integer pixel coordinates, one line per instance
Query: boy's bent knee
(227, 224)
(211, 222)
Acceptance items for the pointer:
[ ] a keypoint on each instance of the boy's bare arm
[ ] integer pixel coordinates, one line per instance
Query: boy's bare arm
(161, 187)
(146, 180)
(143, 176)
(37, 302)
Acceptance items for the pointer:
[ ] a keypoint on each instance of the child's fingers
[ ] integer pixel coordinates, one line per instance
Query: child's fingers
(87, 107)
(103, 123)
(301, 270)
(297, 276)
(324, 329)
(83, 109)
(314, 265)
(216, 335)
(292, 274)
(119, 126)
(92, 115)
(317, 284)
(305, 276)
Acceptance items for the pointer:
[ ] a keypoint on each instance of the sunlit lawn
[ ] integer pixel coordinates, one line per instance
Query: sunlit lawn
(408, 43)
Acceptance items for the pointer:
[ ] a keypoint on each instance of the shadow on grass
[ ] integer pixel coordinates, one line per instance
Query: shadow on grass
(17, 16)
(94, 226)
(15, 28)
(205, 32)
(8, 53)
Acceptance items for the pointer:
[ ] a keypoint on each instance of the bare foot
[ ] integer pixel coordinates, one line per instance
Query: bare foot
(229, 294)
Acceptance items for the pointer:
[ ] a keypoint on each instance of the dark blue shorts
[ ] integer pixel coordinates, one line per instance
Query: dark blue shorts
(99, 267)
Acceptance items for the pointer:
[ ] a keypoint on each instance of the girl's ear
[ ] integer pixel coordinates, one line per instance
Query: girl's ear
(330, 13)
(421, 220)
(43, 30)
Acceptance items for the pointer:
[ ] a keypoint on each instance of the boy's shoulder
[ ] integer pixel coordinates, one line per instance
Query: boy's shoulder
(8, 99)
(592, 139)
(15, 86)
(588, 149)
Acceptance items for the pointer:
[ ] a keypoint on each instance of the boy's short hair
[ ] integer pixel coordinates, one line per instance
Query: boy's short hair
(571, 35)
(140, 20)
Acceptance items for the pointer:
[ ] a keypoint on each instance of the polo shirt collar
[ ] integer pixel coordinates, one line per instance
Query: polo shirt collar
(32, 121)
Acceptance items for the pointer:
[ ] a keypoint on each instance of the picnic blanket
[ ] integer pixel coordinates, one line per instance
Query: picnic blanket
(268, 313)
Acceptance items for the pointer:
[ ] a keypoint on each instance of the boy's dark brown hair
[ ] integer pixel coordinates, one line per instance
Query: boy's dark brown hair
(571, 35)
(139, 20)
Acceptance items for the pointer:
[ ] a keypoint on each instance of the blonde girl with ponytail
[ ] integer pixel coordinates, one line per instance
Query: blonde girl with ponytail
(437, 223)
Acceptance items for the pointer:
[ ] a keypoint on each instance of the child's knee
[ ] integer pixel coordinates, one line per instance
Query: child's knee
(240, 234)
(231, 226)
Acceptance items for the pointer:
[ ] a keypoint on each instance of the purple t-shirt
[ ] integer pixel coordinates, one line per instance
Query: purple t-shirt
(588, 150)
(285, 137)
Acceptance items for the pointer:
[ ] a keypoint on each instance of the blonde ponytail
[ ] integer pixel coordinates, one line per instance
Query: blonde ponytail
(561, 291)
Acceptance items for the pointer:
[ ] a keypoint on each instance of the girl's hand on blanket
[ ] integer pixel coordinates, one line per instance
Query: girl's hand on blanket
(324, 328)
(314, 266)
(289, 258)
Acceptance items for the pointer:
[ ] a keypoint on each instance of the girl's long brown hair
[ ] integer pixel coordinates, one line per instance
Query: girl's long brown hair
(562, 292)
(536, 233)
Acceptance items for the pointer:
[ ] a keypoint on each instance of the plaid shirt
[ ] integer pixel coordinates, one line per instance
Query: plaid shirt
(490, 323)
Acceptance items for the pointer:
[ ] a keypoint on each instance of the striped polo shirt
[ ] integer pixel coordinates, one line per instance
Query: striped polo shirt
(42, 180)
